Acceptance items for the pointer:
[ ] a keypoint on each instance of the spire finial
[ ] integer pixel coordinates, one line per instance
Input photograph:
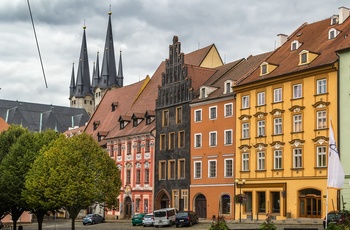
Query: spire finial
(84, 27)
(110, 9)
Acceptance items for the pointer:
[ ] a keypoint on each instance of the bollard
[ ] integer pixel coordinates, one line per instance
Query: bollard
(257, 216)
(20, 227)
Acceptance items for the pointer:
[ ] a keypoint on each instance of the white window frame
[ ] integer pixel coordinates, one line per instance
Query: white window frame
(261, 128)
(228, 140)
(210, 162)
(261, 98)
(277, 95)
(245, 130)
(332, 33)
(277, 126)
(277, 159)
(213, 116)
(321, 119)
(195, 164)
(297, 158)
(245, 161)
(226, 168)
(294, 45)
(321, 152)
(297, 91)
(260, 160)
(322, 86)
(228, 110)
(228, 87)
(245, 102)
(297, 123)
(196, 144)
(211, 140)
(199, 111)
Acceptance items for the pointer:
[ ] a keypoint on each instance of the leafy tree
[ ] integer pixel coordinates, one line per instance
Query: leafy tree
(7, 139)
(73, 173)
(15, 166)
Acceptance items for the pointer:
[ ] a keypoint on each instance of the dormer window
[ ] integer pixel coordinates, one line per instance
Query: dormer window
(306, 57)
(150, 117)
(122, 125)
(228, 85)
(334, 19)
(294, 45)
(266, 68)
(114, 106)
(203, 93)
(96, 124)
(303, 58)
(332, 33)
(124, 121)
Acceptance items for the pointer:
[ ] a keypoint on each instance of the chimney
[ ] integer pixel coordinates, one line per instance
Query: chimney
(343, 14)
(281, 39)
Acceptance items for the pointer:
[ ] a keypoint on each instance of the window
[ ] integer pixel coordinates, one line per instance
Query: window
(321, 156)
(275, 202)
(228, 137)
(321, 86)
(138, 149)
(145, 205)
(197, 169)
(332, 33)
(261, 98)
(162, 142)
(297, 158)
(249, 204)
(184, 196)
(245, 102)
(228, 110)
(261, 128)
(212, 113)
(138, 176)
(277, 124)
(137, 205)
(297, 123)
(198, 140)
(146, 174)
(128, 176)
(165, 118)
(171, 140)
(147, 145)
(225, 201)
(198, 115)
(228, 87)
(245, 161)
(181, 139)
(277, 95)
(162, 170)
(245, 130)
(261, 202)
(212, 140)
(129, 148)
(181, 169)
(212, 169)
(171, 169)
(277, 163)
(321, 119)
(304, 58)
(119, 149)
(294, 45)
(111, 151)
(264, 69)
(178, 115)
(203, 92)
(297, 93)
(228, 167)
(261, 161)
(117, 206)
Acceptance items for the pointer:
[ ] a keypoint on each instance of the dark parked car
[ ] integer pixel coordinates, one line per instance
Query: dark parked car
(93, 219)
(332, 217)
(186, 218)
(137, 219)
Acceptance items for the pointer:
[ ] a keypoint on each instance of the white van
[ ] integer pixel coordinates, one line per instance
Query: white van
(165, 216)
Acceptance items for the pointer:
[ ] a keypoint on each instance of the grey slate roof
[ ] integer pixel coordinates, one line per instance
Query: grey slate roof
(38, 117)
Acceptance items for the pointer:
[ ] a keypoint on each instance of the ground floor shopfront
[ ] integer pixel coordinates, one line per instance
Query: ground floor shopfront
(209, 201)
(294, 198)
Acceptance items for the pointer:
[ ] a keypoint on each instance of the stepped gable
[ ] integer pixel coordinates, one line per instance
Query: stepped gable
(313, 38)
(38, 117)
(121, 99)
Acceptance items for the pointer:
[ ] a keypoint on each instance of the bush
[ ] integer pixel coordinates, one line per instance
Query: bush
(268, 224)
(219, 223)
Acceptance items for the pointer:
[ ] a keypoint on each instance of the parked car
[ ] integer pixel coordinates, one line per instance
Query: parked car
(164, 217)
(148, 220)
(186, 218)
(137, 219)
(93, 219)
(332, 217)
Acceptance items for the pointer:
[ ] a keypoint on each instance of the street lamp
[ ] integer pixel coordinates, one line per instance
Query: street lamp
(240, 183)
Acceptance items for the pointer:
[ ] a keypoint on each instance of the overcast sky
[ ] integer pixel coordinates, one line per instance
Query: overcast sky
(142, 29)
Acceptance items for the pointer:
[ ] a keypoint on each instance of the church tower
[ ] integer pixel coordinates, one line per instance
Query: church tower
(86, 95)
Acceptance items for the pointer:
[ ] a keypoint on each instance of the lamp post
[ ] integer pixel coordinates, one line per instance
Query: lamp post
(240, 183)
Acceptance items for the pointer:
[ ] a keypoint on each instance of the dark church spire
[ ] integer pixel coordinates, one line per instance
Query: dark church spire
(96, 72)
(83, 86)
(72, 84)
(120, 77)
(109, 70)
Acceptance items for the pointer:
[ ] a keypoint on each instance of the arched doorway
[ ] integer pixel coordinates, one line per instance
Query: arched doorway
(201, 206)
(310, 203)
(162, 200)
(127, 205)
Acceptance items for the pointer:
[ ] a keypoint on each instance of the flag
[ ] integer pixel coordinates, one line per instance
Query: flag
(335, 170)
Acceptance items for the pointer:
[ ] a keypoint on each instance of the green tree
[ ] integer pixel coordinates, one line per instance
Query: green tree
(7, 139)
(15, 166)
(74, 173)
